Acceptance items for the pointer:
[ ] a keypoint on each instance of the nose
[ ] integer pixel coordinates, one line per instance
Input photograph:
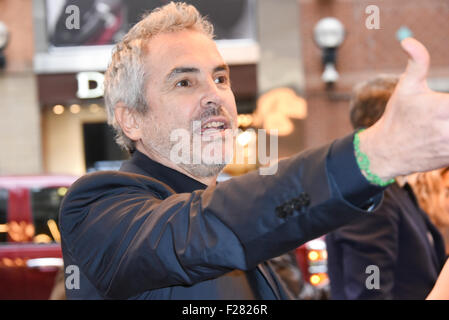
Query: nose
(211, 96)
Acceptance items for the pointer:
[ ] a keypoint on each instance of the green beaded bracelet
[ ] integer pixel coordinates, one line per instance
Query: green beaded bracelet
(363, 163)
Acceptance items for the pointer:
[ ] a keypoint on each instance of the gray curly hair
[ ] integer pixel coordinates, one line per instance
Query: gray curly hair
(126, 76)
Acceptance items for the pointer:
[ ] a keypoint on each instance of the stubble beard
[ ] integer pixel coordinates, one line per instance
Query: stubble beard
(160, 144)
(204, 170)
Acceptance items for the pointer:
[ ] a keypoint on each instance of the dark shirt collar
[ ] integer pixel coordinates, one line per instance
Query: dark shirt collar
(178, 181)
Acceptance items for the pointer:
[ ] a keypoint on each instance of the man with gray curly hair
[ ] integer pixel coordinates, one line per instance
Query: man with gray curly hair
(159, 229)
(127, 86)
(127, 73)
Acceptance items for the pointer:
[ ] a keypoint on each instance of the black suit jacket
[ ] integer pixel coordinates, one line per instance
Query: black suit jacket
(146, 232)
(399, 239)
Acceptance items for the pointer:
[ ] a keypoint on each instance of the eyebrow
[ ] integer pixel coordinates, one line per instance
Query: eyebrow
(175, 71)
(223, 67)
(179, 70)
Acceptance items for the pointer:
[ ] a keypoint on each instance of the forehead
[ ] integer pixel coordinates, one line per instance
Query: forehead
(182, 48)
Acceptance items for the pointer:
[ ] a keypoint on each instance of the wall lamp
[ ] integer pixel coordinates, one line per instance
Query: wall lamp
(329, 34)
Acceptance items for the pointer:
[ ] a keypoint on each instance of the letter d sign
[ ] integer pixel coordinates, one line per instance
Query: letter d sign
(84, 90)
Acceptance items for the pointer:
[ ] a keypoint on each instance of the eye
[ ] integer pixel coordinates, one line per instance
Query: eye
(221, 79)
(183, 83)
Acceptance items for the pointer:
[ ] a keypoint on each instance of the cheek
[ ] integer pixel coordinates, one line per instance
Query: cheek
(179, 114)
(231, 107)
(170, 110)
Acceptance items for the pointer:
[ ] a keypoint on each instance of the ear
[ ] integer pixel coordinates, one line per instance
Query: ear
(129, 121)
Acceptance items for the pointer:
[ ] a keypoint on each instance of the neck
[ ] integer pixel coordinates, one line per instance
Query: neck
(154, 155)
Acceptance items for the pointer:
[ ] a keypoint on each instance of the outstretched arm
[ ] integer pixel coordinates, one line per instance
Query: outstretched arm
(128, 234)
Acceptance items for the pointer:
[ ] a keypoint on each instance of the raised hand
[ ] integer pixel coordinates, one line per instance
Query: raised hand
(413, 133)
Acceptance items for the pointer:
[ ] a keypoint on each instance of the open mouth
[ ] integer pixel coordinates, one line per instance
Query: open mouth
(214, 125)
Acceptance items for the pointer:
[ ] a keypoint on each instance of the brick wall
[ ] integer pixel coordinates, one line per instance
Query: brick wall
(365, 53)
(20, 137)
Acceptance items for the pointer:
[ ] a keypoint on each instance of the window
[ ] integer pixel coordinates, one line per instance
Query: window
(45, 205)
(3, 215)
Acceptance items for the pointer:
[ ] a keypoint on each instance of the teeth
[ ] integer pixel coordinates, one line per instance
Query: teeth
(213, 124)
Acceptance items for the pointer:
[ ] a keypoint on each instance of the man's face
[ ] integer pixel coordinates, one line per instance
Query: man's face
(188, 88)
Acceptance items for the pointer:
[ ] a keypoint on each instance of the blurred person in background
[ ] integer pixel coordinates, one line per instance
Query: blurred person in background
(432, 191)
(399, 238)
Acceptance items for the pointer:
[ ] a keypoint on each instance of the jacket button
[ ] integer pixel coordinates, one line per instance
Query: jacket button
(304, 199)
(280, 212)
(301, 202)
(289, 207)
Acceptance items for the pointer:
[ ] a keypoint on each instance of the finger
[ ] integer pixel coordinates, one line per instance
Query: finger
(418, 63)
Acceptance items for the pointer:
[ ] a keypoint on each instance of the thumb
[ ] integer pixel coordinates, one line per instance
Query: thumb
(418, 63)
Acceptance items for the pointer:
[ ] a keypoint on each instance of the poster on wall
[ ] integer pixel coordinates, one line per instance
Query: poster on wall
(104, 22)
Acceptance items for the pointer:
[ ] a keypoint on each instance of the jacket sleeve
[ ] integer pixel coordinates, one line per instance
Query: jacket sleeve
(127, 240)
(371, 241)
